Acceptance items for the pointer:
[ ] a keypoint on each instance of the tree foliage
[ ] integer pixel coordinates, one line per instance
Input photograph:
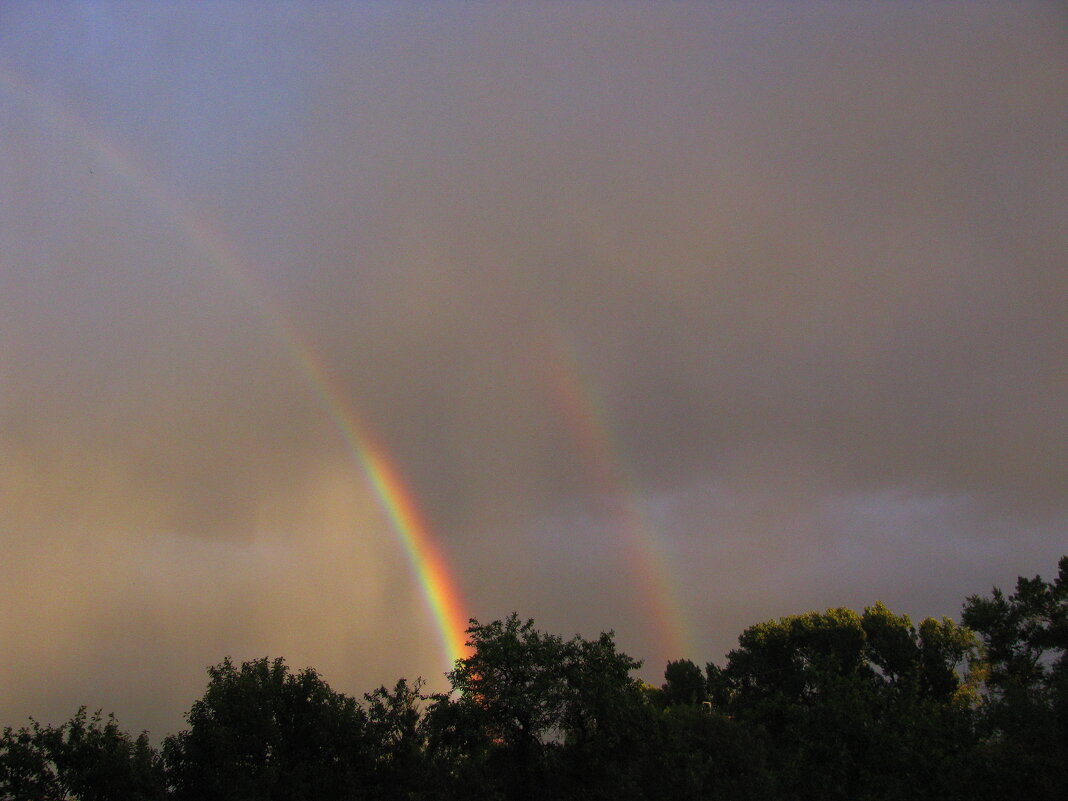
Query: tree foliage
(852, 705)
(538, 701)
(821, 705)
(684, 684)
(261, 732)
(1025, 638)
(87, 758)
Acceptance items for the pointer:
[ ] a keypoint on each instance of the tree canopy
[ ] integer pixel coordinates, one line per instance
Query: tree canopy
(824, 705)
(1025, 698)
(262, 732)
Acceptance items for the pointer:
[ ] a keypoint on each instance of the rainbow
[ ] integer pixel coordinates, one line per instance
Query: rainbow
(581, 409)
(438, 583)
(587, 418)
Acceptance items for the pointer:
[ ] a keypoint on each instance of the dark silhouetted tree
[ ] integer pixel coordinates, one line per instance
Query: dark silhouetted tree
(88, 758)
(261, 732)
(692, 753)
(1025, 637)
(854, 706)
(823, 705)
(542, 705)
(683, 684)
(395, 740)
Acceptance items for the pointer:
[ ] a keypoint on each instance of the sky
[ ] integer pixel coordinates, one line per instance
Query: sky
(324, 328)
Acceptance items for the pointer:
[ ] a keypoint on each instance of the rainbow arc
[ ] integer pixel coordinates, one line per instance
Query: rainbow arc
(439, 585)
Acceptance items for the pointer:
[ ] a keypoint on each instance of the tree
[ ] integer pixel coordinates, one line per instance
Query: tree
(460, 755)
(853, 706)
(683, 684)
(540, 702)
(515, 676)
(88, 758)
(395, 740)
(1025, 638)
(605, 723)
(261, 732)
(692, 753)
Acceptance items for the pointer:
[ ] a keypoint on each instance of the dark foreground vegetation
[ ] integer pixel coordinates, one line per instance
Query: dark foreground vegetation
(824, 705)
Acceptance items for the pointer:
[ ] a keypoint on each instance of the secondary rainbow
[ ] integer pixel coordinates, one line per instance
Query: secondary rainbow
(427, 559)
(586, 417)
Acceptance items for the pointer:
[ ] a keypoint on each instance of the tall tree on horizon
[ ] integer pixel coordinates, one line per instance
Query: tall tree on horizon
(1025, 639)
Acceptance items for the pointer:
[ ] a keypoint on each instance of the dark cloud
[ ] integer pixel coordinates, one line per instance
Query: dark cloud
(790, 281)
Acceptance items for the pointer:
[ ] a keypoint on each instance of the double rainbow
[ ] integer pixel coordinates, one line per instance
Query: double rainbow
(575, 397)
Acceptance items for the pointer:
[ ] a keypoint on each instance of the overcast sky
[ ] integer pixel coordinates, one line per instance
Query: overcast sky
(774, 292)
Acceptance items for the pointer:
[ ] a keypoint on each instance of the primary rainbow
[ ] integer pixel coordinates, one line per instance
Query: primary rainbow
(439, 586)
(436, 580)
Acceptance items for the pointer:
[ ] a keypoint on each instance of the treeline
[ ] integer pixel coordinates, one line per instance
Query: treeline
(823, 705)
